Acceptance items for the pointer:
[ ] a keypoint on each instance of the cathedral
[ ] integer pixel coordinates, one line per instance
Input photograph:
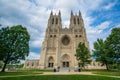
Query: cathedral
(59, 45)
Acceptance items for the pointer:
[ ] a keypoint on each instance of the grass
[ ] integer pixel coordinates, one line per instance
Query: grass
(18, 73)
(24, 72)
(60, 77)
(105, 72)
(110, 73)
(31, 74)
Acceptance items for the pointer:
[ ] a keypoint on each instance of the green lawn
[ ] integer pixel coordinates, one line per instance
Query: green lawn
(18, 73)
(60, 77)
(105, 72)
(35, 75)
(110, 73)
(24, 72)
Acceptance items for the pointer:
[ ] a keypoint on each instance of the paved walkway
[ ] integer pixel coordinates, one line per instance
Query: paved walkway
(67, 73)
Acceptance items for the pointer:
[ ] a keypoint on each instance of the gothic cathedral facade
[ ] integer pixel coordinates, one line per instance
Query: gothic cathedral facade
(59, 45)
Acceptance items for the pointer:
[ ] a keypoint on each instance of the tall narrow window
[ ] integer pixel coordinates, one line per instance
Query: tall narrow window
(53, 21)
(78, 21)
(56, 20)
(32, 64)
(27, 64)
(74, 21)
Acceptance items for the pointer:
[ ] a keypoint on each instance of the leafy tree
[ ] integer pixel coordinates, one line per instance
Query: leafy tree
(100, 53)
(83, 55)
(14, 44)
(113, 41)
(20, 65)
(1, 63)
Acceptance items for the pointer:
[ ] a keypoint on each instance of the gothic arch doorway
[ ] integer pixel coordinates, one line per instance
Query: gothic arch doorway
(50, 62)
(65, 61)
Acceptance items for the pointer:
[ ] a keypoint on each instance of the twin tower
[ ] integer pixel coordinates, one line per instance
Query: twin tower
(55, 21)
(59, 45)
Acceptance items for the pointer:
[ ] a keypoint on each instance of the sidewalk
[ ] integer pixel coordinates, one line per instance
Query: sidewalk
(67, 73)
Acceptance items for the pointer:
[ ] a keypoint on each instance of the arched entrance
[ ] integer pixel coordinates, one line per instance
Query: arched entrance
(50, 62)
(65, 61)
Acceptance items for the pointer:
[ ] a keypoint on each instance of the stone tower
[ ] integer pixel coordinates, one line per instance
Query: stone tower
(59, 45)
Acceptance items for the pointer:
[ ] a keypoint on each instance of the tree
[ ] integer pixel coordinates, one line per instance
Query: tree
(100, 53)
(113, 41)
(20, 65)
(1, 63)
(108, 51)
(14, 44)
(82, 55)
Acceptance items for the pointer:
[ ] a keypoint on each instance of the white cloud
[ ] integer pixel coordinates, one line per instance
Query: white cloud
(33, 55)
(103, 25)
(29, 15)
(45, 3)
(109, 6)
(89, 4)
(34, 14)
(118, 25)
(36, 43)
(66, 4)
(94, 32)
(98, 29)
(66, 23)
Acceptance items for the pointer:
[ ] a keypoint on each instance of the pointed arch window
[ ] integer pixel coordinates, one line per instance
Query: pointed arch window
(32, 64)
(53, 21)
(56, 20)
(50, 36)
(78, 21)
(74, 21)
(27, 64)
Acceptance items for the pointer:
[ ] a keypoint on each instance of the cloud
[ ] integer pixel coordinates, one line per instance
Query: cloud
(29, 15)
(36, 43)
(33, 56)
(34, 15)
(94, 32)
(109, 6)
(118, 25)
(45, 3)
(103, 25)
(98, 29)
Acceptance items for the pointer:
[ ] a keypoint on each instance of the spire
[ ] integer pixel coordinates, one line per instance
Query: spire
(71, 12)
(79, 13)
(59, 13)
(51, 13)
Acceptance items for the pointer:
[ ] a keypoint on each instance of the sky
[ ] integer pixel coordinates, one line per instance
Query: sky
(99, 16)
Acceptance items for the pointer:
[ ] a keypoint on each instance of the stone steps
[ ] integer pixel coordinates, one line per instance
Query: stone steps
(66, 70)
